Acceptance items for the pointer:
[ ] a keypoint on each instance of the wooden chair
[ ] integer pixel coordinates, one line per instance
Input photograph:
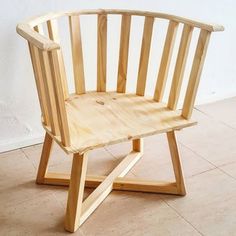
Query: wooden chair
(82, 121)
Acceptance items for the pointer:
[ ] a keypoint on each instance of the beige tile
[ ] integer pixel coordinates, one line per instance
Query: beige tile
(17, 180)
(100, 162)
(210, 139)
(120, 150)
(39, 216)
(230, 169)
(135, 214)
(58, 156)
(223, 111)
(156, 162)
(210, 203)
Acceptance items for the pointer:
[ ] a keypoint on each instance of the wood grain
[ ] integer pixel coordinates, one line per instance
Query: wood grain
(180, 66)
(76, 191)
(101, 52)
(165, 61)
(77, 54)
(144, 57)
(103, 118)
(195, 74)
(53, 34)
(123, 54)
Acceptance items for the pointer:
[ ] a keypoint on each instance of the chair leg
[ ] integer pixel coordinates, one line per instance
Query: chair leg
(42, 169)
(176, 163)
(138, 145)
(76, 191)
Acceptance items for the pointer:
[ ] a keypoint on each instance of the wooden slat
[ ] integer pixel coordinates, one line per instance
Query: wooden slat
(39, 82)
(77, 54)
(180, 66)
(195, 74)
(123, 55)
(120, 183)
(49, 91)
(101, 192)
(165, 61)
(144, 57)
(54, 35)
(101, 52)
(39, 76)
(59, 97)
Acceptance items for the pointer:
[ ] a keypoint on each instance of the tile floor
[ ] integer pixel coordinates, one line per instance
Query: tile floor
(209, 161)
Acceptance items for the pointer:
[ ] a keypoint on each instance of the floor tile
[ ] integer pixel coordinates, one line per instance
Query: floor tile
(58, 156)
(222, 111)
(156, 162)
(230, 169)
(209, 204)
(135, 214)
(17, 179)
(210, 139)
(39, 216)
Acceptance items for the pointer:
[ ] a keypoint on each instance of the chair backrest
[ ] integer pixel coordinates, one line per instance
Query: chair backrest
(50, 73)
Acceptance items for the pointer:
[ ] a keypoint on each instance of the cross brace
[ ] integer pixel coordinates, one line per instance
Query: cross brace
(77, 209)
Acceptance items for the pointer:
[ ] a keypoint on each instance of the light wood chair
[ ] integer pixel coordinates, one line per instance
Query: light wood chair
(82, 121)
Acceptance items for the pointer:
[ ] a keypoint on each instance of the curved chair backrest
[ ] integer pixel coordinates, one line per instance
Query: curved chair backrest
(50, 72)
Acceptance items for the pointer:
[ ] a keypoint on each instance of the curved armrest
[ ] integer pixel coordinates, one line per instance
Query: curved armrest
(35, 38)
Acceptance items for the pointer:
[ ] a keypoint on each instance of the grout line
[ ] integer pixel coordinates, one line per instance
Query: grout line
(181, 216)
(227, 173)
(216, 167)
(109, 152)
(217, 120)
(27, 157)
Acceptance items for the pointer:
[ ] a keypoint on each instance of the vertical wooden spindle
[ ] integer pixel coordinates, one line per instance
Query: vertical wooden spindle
(59, 97)
(49, 91)
(144, 57)
(39, 82)
(180, 66)
(123, 55)
(101, 52)
(54, 35)
(165, 61)
(77, 54)
(195, 74)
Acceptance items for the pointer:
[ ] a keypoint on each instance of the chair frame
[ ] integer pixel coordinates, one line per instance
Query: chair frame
(48, 62)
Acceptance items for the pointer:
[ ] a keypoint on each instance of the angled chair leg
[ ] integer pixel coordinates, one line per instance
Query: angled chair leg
(176, 163)
(42, 169)
(138, 145)
(76, 191)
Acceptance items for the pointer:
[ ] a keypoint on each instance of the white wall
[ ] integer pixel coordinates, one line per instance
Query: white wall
(19, 108)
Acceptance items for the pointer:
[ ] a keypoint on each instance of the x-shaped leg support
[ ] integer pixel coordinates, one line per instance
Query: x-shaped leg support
(77, 209)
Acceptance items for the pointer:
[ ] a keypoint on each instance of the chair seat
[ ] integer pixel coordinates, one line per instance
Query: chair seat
(97, 119)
